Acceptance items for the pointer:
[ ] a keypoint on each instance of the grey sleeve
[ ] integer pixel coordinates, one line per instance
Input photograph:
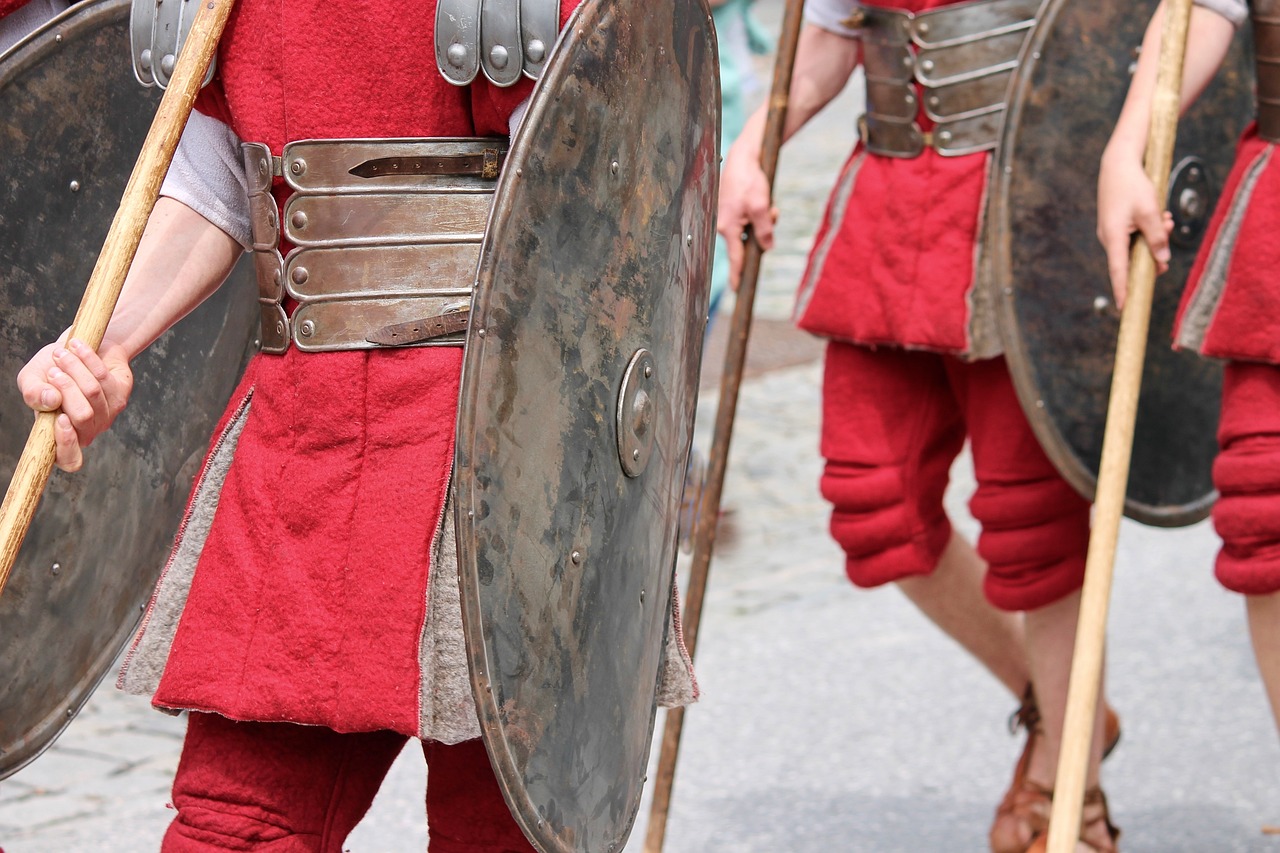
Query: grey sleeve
(207, 176)
(1235, 11)
(832, 15)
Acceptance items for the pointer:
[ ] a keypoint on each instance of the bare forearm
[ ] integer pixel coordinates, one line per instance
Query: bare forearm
(1208, 41)
(824, 62)
(181, 260)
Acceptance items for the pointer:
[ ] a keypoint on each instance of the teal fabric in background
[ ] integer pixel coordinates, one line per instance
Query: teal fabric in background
(740, 36)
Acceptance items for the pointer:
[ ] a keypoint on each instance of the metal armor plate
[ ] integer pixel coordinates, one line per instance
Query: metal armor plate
(74, 121)
(579, 384)
(1058, 318)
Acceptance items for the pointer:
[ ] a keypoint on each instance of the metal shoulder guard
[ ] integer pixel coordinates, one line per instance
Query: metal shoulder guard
(157, 31)
(504, 37)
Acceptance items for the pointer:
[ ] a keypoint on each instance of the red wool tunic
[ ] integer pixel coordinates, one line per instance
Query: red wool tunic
(308, 599)
(1231, 306)
(895, 259)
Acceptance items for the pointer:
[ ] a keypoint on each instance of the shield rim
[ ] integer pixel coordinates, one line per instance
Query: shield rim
(499, 754)
(998, 244)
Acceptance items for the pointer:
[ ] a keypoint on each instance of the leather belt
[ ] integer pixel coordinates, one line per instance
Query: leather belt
(1265, 15)
(954, 63)
(386, 236)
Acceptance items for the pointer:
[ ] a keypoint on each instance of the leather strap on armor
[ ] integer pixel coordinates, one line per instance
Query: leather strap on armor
(1265, 15)
(959, 59)
(386, 236)
(502, 38)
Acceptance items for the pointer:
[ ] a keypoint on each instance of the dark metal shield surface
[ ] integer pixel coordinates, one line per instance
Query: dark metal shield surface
(73, 123)
(577, 406)
(1059, 321)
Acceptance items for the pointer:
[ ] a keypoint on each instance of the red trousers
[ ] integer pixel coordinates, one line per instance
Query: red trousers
(1247, 476)
(285, 788)
(893, 422)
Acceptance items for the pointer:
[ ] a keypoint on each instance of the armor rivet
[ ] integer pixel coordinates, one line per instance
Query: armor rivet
(1035, 54)
(945, 136)
(57, 567)
(1184, 230)
(642, 598)
(166, 64)
(275, 278)
(934, 100)
(910, 99)
(927, 65)
(648, 371)
(519, 173)
(1100, 304)
(457, 54)
(308, 328)
(576, 557)
(498, 56)
(480, 333)
(299, 167)
(144, 60)
(75, 186)
(537, 50)
(1039, 404)
(257, 343)
(688, 241)
(471, 513)
(280, 327)
(299, 219)
(1189, 200)
(58, 38)
(300, 275)
(71, 712)
(613, 167)
(906, 60)
(922, 27)
(1194, 173)
(635, 455)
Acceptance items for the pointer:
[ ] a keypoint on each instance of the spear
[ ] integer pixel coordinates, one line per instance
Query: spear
(103, 291)
(730, 384)
(1117, 447)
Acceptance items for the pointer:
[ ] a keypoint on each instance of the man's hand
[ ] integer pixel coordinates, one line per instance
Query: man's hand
(1127, 203)
(744, 201)
(90, 388)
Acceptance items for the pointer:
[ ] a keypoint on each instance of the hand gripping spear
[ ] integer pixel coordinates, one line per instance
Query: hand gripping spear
(730, 383)
(107, 279)
(1117, 447)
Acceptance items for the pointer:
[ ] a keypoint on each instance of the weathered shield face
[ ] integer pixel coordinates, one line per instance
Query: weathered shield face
(1059, 320)
(74, 120)
(577, 406)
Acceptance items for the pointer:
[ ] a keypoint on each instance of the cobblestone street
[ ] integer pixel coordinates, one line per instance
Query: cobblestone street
(833, 720)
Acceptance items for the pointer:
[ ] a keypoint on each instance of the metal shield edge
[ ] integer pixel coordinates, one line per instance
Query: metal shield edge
(226, 329)
(579, 33)
(998, 240)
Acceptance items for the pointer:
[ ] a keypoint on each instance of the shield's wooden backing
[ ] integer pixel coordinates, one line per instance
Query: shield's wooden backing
(598, 247)
(1058, 320)
(74, 120)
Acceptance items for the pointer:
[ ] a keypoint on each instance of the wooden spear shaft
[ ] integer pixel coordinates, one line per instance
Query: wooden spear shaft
(100, 296)
(1117, 447)
(730, 383)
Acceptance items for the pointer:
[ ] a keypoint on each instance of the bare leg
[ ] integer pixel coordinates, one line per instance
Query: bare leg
(952, 598)
(1051, 637)
(1264, 628)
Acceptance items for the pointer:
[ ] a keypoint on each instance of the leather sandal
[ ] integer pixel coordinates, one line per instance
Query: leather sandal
(1023, 813)
(1097, 833)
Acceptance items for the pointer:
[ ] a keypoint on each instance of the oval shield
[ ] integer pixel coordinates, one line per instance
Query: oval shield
(74, 120)
(1058, 318)
(577, 406)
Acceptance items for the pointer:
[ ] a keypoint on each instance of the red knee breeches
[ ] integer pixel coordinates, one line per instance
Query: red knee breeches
(893, 422)
(283, 788)
(1247, 476)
